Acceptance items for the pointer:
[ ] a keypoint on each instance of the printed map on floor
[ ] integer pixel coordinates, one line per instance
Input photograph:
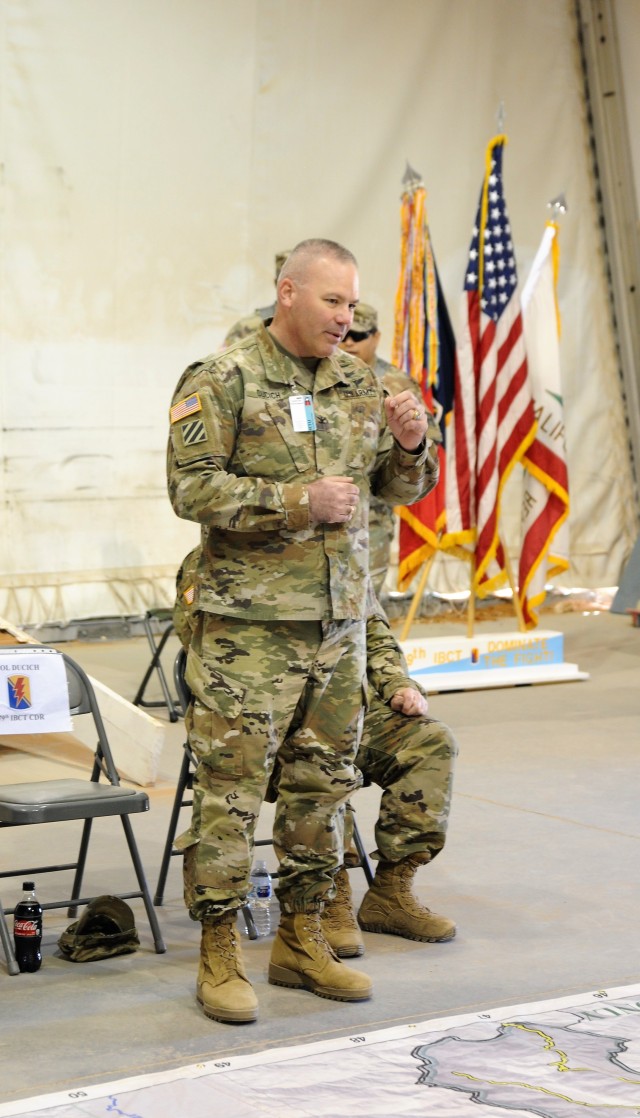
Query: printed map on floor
(555, 1059)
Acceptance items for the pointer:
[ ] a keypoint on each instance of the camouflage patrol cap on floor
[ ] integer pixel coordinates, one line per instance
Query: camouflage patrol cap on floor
(365, 319)
(107, 927)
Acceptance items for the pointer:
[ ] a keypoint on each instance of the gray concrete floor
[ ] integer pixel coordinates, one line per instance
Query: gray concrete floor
(540, 872)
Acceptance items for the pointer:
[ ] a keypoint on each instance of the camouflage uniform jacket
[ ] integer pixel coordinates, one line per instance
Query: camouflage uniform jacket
(381, 515)
(395, 380)
(236, 466)
(248, 325)
(387, 670)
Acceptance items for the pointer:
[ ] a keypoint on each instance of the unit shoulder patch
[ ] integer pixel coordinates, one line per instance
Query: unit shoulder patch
(193, 432)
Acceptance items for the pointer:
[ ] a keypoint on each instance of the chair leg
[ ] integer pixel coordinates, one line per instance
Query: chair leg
(76, 890)
(153, 645)
(144, 888)
(173, 714)
(12, 963)
(362, 854)
(249, 922)
(155, 664)
(179, 802)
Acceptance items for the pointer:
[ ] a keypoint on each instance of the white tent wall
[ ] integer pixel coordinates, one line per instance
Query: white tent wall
(627, 17)
(156, 155)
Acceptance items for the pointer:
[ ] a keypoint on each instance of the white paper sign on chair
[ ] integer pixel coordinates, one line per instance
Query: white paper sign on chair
(34, 695)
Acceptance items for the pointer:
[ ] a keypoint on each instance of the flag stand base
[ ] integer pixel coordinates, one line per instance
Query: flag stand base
(500, 659)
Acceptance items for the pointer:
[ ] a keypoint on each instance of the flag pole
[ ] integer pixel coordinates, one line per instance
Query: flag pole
(417, 597)
(471, 608)
(412, 181)
(424, 347)
(517, 605)
(545, 505)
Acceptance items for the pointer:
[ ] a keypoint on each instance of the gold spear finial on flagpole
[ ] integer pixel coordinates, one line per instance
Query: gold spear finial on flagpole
(411, 179)
(558, 205)
(501, 116)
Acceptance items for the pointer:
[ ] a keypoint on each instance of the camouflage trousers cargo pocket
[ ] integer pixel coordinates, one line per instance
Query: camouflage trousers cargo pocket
(215, 718)
(210, 740)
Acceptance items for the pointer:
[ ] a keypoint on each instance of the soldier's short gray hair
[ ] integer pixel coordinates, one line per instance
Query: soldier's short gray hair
(312, 249)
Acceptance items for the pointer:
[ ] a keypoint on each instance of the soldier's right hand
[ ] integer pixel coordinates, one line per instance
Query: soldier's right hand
(332, 500)
(409, 701)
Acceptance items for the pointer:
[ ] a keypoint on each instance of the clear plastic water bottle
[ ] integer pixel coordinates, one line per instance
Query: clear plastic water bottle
(27, 929)
(260, 897)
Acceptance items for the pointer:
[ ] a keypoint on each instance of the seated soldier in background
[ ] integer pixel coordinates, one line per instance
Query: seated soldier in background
(362, 341)
(411, 757)
(245, 326)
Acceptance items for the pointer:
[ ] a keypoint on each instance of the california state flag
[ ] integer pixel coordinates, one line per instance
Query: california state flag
(545, 508)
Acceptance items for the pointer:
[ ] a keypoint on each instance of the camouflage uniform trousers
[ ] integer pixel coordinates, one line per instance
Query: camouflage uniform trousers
(254, 685)
(412, 760)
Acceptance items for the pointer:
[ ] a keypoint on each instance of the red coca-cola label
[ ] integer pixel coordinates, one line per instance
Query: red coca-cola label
(26, 928)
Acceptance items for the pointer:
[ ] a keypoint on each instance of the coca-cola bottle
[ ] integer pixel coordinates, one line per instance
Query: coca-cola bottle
(27, 929)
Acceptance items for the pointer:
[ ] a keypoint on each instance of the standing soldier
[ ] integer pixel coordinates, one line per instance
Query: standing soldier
(274, 447)
(410, 756)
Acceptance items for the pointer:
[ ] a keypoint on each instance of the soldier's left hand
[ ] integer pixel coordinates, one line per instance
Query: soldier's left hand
(407, 419)
(410, 702)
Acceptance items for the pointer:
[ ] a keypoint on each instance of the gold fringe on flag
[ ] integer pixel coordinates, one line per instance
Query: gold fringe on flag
(408, 339)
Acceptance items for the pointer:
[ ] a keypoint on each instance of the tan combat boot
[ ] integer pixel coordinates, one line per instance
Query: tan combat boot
(338, 920)
(390, 906)
(302, 959)
(224, 991)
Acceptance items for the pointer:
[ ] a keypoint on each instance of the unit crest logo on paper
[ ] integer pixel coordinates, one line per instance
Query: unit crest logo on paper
(19, 692)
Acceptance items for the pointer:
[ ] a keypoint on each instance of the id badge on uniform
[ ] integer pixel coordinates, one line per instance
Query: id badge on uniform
(302, 413)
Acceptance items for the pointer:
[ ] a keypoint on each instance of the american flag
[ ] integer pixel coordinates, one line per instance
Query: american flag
(187, 406)
(493, 417)
(545, 506)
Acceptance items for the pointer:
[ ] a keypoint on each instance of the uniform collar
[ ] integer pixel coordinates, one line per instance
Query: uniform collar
(283, 370)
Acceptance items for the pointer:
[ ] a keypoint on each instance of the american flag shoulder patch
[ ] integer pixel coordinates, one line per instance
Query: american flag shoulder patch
(189, 406)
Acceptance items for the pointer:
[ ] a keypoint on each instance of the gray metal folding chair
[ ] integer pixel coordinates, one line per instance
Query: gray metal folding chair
(158, 627)
(185, 779)
(185, 782)
(7, 945)
(52, 801)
